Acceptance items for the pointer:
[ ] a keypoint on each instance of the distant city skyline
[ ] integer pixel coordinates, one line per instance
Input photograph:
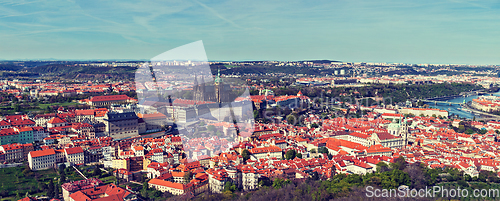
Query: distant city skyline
(386, 31)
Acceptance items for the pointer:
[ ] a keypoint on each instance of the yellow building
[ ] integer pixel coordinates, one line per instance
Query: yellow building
(145, 163)
(121, 164)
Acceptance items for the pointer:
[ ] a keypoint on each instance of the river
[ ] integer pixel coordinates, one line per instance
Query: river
(457, 109)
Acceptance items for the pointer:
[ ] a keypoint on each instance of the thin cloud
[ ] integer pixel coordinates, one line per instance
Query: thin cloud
(47, 31)
(19, 15)
(24, 3)
(217, 14)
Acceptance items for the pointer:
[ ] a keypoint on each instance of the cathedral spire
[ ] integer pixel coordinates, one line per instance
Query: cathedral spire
(195, 79)
(217, 78)
(195, 88)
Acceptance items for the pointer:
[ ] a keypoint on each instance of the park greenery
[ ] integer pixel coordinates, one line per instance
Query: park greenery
(18, 182)
(353, 186)
(397, 93)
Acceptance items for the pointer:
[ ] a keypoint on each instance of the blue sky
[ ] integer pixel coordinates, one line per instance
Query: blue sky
(408, 31)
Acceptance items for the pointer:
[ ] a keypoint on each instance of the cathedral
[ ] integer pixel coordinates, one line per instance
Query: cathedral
(218, 92)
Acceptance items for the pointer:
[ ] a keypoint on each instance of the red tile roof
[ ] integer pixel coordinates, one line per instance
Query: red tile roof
(152, 116)
(167, 184)
(8, 131)
(110, 98)
(56, 120)
(40, 153)
(25, 129)
(265, 149)
(74, 150)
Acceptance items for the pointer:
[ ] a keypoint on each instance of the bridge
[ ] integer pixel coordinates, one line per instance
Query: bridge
(443, 102)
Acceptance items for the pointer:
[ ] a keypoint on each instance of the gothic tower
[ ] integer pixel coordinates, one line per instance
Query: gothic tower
(196, 88)
(203, 96)
(218, 87)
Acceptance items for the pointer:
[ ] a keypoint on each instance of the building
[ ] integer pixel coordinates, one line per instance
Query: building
(249, 178)
(121, 125)
(84, 115)
(60, 155)
(378, 150)
(424, 112)
(218, 92)
(39, 133)
(266, 152)
(42, 159)
(123, 174)
(109, 192)
(110, 99)
(168, 186)
(25, 135)
(72, 187)
(108, 153)
(56, 122)
(121, 164)
(392, 117)
(84, 130)
(12, 152)
(217, 178)
(42, 119)
(75, 155)
(27, 148)
(8, 136)
(4, 124)
(93, 154)
(388, 140)
(153, 122)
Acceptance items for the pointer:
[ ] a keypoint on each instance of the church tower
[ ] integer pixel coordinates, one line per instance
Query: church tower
(202, 88)
(218, 87)
(195, 88)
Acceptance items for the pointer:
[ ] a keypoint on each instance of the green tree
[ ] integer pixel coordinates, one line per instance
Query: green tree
(211, 128)
(382, 167)
(323, 150)
(313, 151)
(255, 114)
(61, 168)
(292, 119)
(63, 178)
(229, 186)
(56, 191)
(17, 108)
(26, 172)
(97, 172)
(280, 183)
(245, 154)
(290, 154)
(298, 155)
(50, 191)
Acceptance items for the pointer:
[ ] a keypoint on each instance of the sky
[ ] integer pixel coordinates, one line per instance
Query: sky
(402, 31)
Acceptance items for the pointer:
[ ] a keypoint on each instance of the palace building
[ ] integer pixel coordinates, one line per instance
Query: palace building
(109, 100)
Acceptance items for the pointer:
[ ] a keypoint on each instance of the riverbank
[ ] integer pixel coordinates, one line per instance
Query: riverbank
(463, 112)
